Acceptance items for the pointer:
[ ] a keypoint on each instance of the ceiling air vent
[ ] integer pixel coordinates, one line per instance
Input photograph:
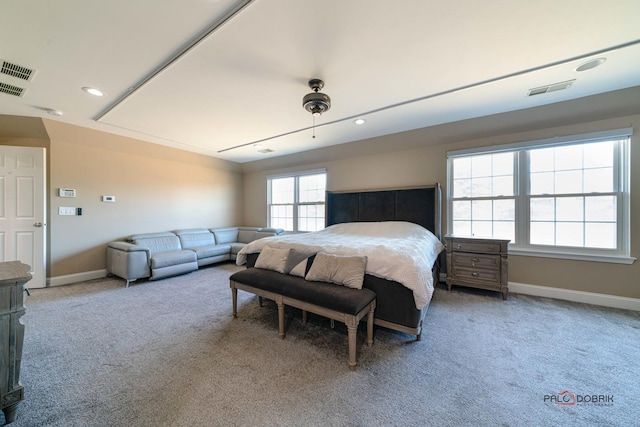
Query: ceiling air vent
(265, 151)
(15, 70)
(11, 89)
(551, 88)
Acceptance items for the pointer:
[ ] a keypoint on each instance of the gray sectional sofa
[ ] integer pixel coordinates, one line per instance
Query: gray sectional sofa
(169, 253)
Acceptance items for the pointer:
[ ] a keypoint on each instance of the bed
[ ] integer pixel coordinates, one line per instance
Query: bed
(399, 232)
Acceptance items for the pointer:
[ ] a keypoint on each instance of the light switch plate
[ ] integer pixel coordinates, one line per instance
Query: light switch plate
(62, 210)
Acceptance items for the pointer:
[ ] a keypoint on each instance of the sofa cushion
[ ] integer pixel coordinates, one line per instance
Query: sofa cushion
(246, 236)
(157, 242)
(195, 237)
(225, 235)
(211, 250)
(167, 259)
(235, 247)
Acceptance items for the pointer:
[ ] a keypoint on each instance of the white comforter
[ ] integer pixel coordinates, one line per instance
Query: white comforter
(399, 251)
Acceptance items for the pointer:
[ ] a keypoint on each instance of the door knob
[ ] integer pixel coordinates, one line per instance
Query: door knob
(37, 224)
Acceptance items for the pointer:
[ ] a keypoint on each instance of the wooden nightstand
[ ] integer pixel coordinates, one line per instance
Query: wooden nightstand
(478, 263)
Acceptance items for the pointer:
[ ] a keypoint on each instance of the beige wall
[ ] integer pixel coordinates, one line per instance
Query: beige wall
(348, 170)
(156, 189)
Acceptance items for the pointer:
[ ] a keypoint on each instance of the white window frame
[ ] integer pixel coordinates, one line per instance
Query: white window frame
(521, 183)
(296, 203)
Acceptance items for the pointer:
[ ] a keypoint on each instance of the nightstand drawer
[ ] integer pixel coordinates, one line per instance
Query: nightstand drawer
(489, 276)
(484, 247)
(462, 259)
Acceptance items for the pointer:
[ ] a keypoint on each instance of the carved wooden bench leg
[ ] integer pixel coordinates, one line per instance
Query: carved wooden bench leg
(352, 330)
(280, 317)
(370, 324)
(234, 297)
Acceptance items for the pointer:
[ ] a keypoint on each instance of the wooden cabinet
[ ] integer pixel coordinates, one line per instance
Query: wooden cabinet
(477, 262)
(13, 276)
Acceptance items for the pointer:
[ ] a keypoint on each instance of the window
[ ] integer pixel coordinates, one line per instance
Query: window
(565, 197)
(296, 202)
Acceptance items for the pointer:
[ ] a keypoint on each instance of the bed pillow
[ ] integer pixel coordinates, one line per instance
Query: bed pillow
(272, 259)
(341, 270)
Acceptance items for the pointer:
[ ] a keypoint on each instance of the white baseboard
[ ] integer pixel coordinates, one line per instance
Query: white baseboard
(77, 277)
(576, 296)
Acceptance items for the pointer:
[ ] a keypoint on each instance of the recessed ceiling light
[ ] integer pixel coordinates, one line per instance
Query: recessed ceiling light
(93, 91)
(359, 121)
(591, 64)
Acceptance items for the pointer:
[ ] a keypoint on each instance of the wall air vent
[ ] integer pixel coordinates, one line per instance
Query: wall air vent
(551, 88)
(11, 89)
(15, 70)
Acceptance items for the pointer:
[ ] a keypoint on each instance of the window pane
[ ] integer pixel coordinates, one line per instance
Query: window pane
(481, 228)
(462, 168)
(282, 190)
(600, 208)
(462, 228)
(310, 217)
(462, 188)
(481, 166)
(568, 182)
(481, 187)
(598, 180)
(600, 235)
(541, 183)
(502, 164)
(482, 210)
(569, 234)
(312, 188)
(569, 209)
(483, 176)
(461, 210)
(599, 154)
(543, 209)
(568, 158)
(542, 233)
(281, 217)
(541, 160)
(504, 230)
(504, 210)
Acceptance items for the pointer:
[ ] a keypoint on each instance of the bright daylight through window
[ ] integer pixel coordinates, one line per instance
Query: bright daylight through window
(297, 202)
(563, 196)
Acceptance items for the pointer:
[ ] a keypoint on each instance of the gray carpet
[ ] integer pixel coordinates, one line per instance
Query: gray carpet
(168, 353)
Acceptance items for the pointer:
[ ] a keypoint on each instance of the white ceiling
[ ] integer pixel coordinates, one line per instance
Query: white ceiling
(178, 73)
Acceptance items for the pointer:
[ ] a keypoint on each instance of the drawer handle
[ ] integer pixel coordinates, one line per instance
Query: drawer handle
(474, 274)
(459, 246)
(475, 259)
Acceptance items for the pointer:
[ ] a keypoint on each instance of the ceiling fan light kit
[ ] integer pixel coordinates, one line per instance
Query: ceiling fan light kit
(316, 102)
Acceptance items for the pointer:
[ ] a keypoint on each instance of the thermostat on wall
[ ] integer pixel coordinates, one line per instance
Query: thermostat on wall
(67, 192)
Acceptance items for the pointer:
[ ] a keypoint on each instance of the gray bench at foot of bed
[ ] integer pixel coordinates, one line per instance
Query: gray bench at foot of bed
(325, 299)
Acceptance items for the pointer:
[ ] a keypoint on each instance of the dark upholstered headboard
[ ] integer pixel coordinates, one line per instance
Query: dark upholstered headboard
(420, 205)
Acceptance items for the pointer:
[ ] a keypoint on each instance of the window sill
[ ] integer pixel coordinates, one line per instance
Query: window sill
(614, 259)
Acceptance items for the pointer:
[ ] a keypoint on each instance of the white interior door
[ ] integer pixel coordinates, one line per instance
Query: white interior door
(22, 209)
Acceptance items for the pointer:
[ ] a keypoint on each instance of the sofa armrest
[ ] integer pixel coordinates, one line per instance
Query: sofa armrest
(128, 247)
(128, 261)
